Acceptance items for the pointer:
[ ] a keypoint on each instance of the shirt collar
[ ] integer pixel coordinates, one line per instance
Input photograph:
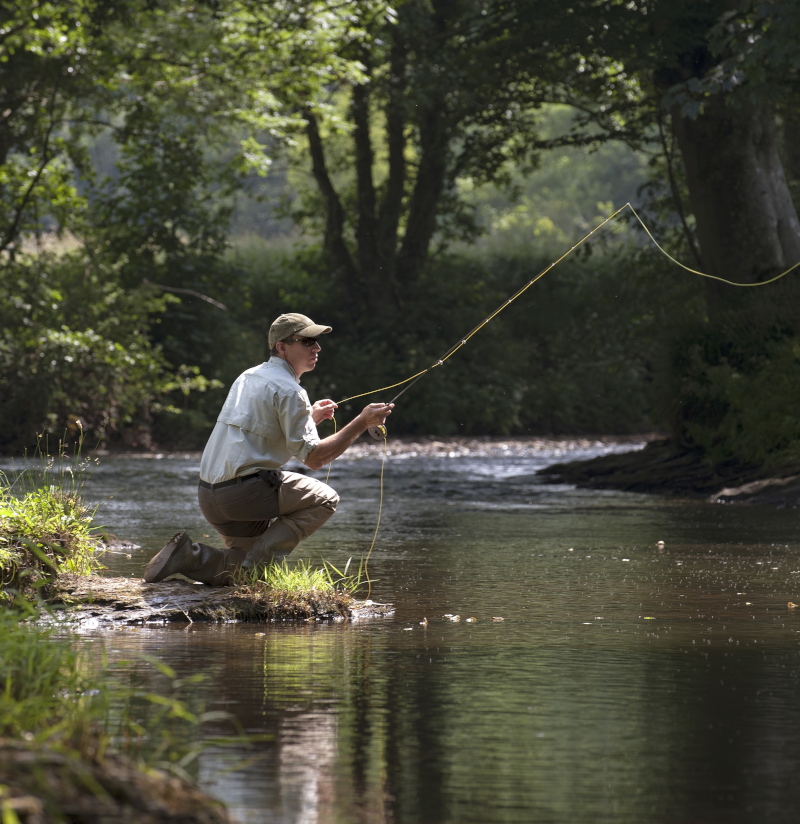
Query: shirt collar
(280, 362)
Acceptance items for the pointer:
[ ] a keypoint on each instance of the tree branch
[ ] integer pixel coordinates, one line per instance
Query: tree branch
(676, 195)
(13, 229)
(192, 292)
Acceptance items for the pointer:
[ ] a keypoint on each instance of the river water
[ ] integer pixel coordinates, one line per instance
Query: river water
(628, 681)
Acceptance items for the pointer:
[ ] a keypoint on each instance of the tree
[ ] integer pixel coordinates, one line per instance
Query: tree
(43, 72)
(443, 98)
(167, 84)
(704, 66)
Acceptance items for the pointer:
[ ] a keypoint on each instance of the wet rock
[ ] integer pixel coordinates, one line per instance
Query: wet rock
(96, 600)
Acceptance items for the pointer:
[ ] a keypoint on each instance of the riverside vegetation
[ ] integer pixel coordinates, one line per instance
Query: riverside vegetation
(70, 745)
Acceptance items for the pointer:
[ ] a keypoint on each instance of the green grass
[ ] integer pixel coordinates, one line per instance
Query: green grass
(64, 711)
(44, 532)
(301, 577)
(45, 525)
(45, 694)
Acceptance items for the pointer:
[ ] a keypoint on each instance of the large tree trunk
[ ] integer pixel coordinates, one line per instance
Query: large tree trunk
(746, 222)
(379, 279)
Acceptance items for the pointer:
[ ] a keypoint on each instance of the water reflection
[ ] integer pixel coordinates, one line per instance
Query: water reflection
(628, 682)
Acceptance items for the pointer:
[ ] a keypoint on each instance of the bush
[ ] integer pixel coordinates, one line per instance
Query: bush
(74, 355)
(584, 350)
(740, 402)
(45, 526)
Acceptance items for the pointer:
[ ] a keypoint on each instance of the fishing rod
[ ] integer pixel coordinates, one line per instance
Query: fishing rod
(380, 432)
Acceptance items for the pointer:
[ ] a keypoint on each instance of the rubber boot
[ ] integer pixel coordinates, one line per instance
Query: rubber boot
(197, 562)
(272, 546)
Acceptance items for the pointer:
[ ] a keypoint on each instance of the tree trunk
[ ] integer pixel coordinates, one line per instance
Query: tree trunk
(746, 222)
(335, 245)
(379, 280)
(391, 207)
(426, 197)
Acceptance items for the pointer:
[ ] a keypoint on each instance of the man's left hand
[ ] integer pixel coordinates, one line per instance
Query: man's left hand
(323, 410)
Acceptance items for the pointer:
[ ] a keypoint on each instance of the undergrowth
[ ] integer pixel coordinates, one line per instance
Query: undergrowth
(46, 527)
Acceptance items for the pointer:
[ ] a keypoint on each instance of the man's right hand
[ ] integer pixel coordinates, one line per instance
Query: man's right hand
(375, 414)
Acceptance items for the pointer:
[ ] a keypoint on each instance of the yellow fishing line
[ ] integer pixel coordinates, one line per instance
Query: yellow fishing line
(380, 511)
(377, 525)
(450, 352)
(453, 349)
(705, 274)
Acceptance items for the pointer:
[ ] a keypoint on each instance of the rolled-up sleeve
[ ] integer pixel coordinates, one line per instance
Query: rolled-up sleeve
(296, 421)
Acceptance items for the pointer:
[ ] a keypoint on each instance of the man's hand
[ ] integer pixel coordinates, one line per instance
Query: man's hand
(323, 410)
(375, 414)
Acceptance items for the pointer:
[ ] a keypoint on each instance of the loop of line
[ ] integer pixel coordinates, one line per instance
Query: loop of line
(705, 274)
(377, 525)
(453, 349)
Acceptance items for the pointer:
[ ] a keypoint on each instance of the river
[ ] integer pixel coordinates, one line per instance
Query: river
(645, 668)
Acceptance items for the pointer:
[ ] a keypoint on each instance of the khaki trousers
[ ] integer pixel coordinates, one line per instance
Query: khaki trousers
(242, 513)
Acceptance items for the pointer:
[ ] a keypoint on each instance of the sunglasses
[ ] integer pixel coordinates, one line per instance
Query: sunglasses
(309, 342)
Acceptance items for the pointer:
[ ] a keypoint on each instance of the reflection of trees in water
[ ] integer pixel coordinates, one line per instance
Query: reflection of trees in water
(308, 690)
(307, 750)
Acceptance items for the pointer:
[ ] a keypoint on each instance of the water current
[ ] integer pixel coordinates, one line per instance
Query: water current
(629, 681)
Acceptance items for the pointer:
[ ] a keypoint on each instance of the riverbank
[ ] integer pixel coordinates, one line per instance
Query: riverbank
(662, 468)
(42, 784)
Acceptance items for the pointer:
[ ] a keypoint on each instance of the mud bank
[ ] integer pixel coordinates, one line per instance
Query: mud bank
(663, 468)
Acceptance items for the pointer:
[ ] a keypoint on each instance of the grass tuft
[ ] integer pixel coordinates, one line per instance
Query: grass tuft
(46, 527)
(301, 577)
(299, 590)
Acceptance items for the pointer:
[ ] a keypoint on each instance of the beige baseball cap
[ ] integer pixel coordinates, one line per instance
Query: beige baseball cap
(293, 323)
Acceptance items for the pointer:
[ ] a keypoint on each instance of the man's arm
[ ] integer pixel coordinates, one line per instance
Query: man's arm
(330, 448)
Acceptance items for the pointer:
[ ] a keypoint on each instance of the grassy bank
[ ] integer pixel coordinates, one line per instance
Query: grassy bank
(46, 527)
(63, 749)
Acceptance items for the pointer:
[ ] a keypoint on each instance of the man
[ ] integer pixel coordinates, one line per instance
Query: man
(260, 511)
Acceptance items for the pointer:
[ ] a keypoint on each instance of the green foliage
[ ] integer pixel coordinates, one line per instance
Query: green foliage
(57, 695)
(170, 737)
(43, 52)
(46, 692)
(417, 110)
(45, 525)
(740, 403)
(583, 350)
(73, 350)
(555, 204)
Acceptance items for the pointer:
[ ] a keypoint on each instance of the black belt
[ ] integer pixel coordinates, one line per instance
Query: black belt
(231, 482)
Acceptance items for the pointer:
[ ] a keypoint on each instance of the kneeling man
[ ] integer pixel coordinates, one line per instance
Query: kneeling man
(261, 511)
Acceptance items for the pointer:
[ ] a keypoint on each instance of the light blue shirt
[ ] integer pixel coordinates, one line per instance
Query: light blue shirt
(265, 421)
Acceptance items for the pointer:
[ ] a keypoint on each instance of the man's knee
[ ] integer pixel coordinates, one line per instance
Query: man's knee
(301, 492)
(332, 500)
